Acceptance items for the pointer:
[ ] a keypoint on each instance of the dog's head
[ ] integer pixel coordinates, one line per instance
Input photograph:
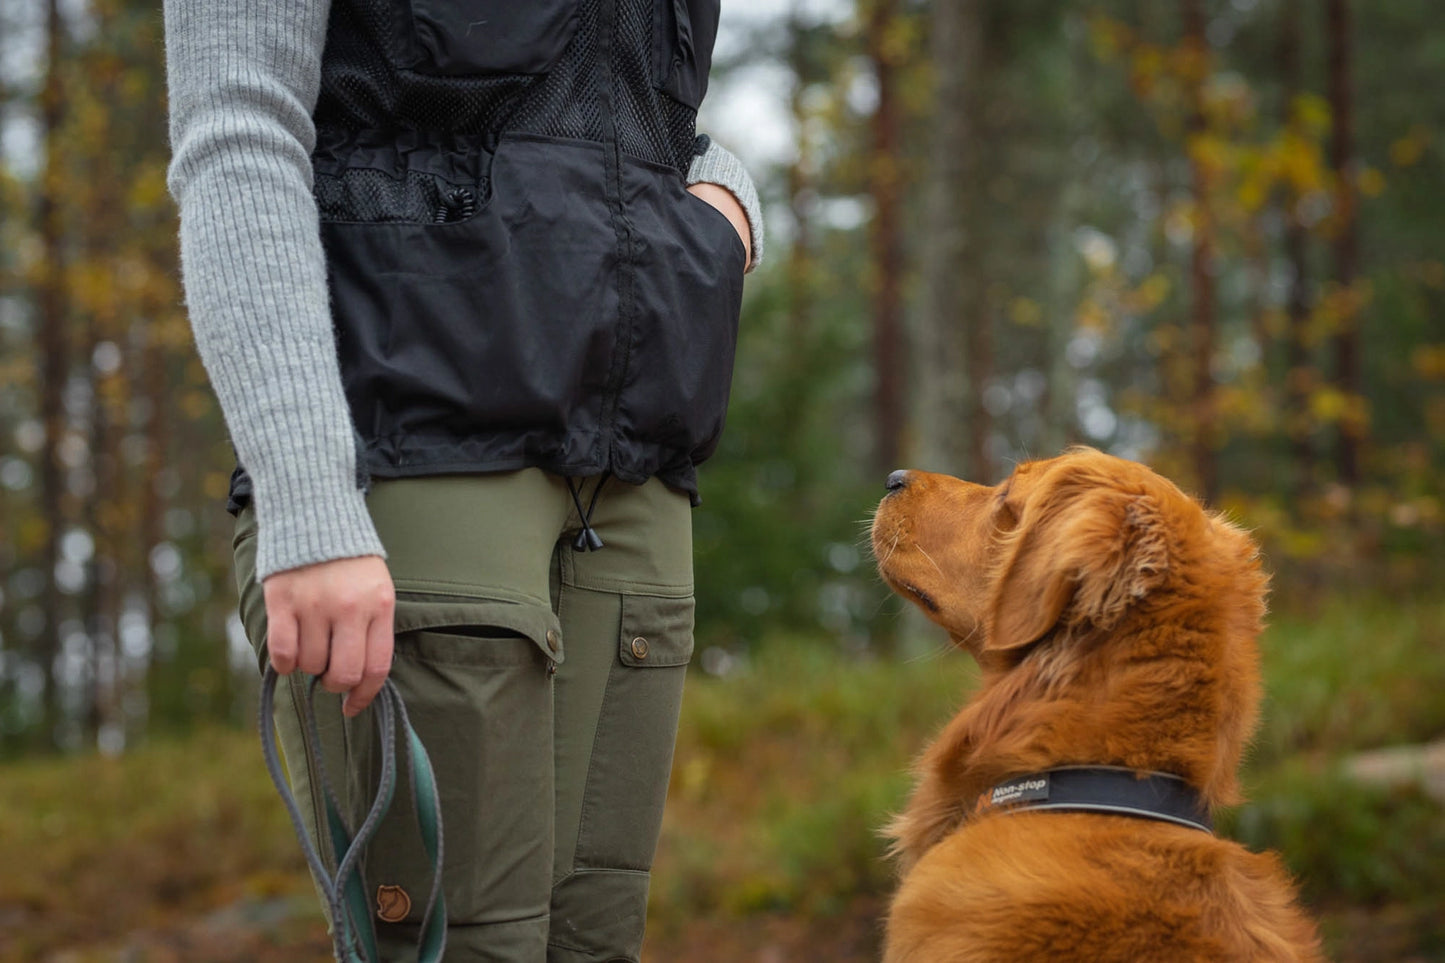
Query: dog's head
(1087, 573)
(1066, 545)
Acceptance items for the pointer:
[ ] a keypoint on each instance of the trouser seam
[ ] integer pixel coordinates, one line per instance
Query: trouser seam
(521, 919)
(598, 870)
(626, 587)
(585, 817)
(566, 946)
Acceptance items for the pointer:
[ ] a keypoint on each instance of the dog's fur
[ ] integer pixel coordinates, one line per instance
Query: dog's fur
(1115, 622)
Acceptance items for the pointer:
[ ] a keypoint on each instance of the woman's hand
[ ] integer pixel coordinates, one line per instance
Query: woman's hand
(333, 620)
(722, 199)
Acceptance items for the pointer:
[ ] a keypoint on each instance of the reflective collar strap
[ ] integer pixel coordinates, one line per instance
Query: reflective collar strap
(1103, 789)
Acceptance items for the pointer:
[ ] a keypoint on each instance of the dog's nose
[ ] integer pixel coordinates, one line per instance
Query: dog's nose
(897, 481)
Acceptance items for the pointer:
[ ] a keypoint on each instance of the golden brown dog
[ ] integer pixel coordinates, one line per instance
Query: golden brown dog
(1115, 622)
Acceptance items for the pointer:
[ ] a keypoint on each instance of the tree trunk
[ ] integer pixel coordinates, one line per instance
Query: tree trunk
(1346, 241)
(886, 239)
(952, 424)
(801, 191)
(1299, 373)
(52, 319)
(102, 507)
(1201, 266)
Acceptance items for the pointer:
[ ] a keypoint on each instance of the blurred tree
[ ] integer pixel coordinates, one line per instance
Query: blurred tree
(1195, 69)
(886, 40)
(953, 358)
(1352, 426)
(1298, 372)
(92, 293)
(1149, 227)
(53, 323)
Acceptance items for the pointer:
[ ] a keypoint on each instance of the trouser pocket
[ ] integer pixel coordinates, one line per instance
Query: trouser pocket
(599, 905)
(632, 754)
(476, 678)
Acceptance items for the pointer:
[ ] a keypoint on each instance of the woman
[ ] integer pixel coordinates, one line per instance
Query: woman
(466, 283)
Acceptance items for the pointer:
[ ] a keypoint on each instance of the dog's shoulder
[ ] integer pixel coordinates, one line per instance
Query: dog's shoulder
(1053, 887)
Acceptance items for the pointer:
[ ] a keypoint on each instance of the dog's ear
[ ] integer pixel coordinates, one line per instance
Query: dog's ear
(1077, 556)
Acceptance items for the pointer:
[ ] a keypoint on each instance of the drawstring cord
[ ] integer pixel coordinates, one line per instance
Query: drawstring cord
(587, 539)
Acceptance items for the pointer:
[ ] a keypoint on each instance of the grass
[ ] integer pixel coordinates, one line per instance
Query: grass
(784, 775)
(93, 848)
(785, 771)
(1355, 674)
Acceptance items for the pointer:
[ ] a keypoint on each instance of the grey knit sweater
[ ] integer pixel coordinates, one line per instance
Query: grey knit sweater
(244, 78)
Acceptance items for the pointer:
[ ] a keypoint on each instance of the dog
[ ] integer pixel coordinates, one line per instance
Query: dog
(1063, 814)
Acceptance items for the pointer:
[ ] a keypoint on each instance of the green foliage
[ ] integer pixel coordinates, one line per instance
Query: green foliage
(1346, 842)
(1083, 224)
(785, 774)
(1357, 673)
(780, 537)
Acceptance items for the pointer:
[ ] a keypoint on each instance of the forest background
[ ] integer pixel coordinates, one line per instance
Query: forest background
(1201, 233)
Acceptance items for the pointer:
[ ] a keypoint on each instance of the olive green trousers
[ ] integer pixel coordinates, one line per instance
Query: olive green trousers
(545, 683)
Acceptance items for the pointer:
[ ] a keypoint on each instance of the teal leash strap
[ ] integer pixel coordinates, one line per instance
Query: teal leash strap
(347, 892)
(427, 804)
(353, 934)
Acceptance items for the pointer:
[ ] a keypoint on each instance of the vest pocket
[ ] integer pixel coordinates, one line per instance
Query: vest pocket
(409, 178)
(366, 196)
(688, 296)
(457, 39)
(683, 39)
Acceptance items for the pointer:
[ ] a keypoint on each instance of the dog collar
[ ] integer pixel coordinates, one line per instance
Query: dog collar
(1102, 789)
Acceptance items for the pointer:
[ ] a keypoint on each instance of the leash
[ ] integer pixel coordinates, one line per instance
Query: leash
(353, 934)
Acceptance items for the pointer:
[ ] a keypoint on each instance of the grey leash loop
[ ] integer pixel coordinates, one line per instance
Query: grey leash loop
(353, 935)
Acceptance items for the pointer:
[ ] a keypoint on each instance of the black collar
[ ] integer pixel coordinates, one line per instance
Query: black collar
(1102, 789)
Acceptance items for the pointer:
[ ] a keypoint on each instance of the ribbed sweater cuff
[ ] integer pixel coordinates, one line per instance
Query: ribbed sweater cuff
(718, 166)
(301, 459)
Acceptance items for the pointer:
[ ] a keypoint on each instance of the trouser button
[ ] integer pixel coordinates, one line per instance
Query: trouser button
(639, 647)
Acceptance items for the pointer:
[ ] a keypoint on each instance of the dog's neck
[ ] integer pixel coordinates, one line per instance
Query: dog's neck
(1125, 700)
(1116, 701)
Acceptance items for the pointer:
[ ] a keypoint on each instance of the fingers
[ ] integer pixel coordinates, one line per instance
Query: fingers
(282, 635)
(333, 620)
(339, 630)
(314, 650)
(348, 653)
(376, 666)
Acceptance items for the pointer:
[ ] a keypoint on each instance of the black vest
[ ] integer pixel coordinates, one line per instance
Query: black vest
(518, 274)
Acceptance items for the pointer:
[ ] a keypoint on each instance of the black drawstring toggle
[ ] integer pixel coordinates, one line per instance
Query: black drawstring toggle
(587, 539)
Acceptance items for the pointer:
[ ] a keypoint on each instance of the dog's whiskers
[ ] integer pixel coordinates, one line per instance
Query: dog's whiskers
(891, 547)
(930, 560)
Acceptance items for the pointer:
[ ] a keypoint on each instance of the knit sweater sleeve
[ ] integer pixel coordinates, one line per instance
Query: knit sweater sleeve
(243, 79)
(716, 166)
